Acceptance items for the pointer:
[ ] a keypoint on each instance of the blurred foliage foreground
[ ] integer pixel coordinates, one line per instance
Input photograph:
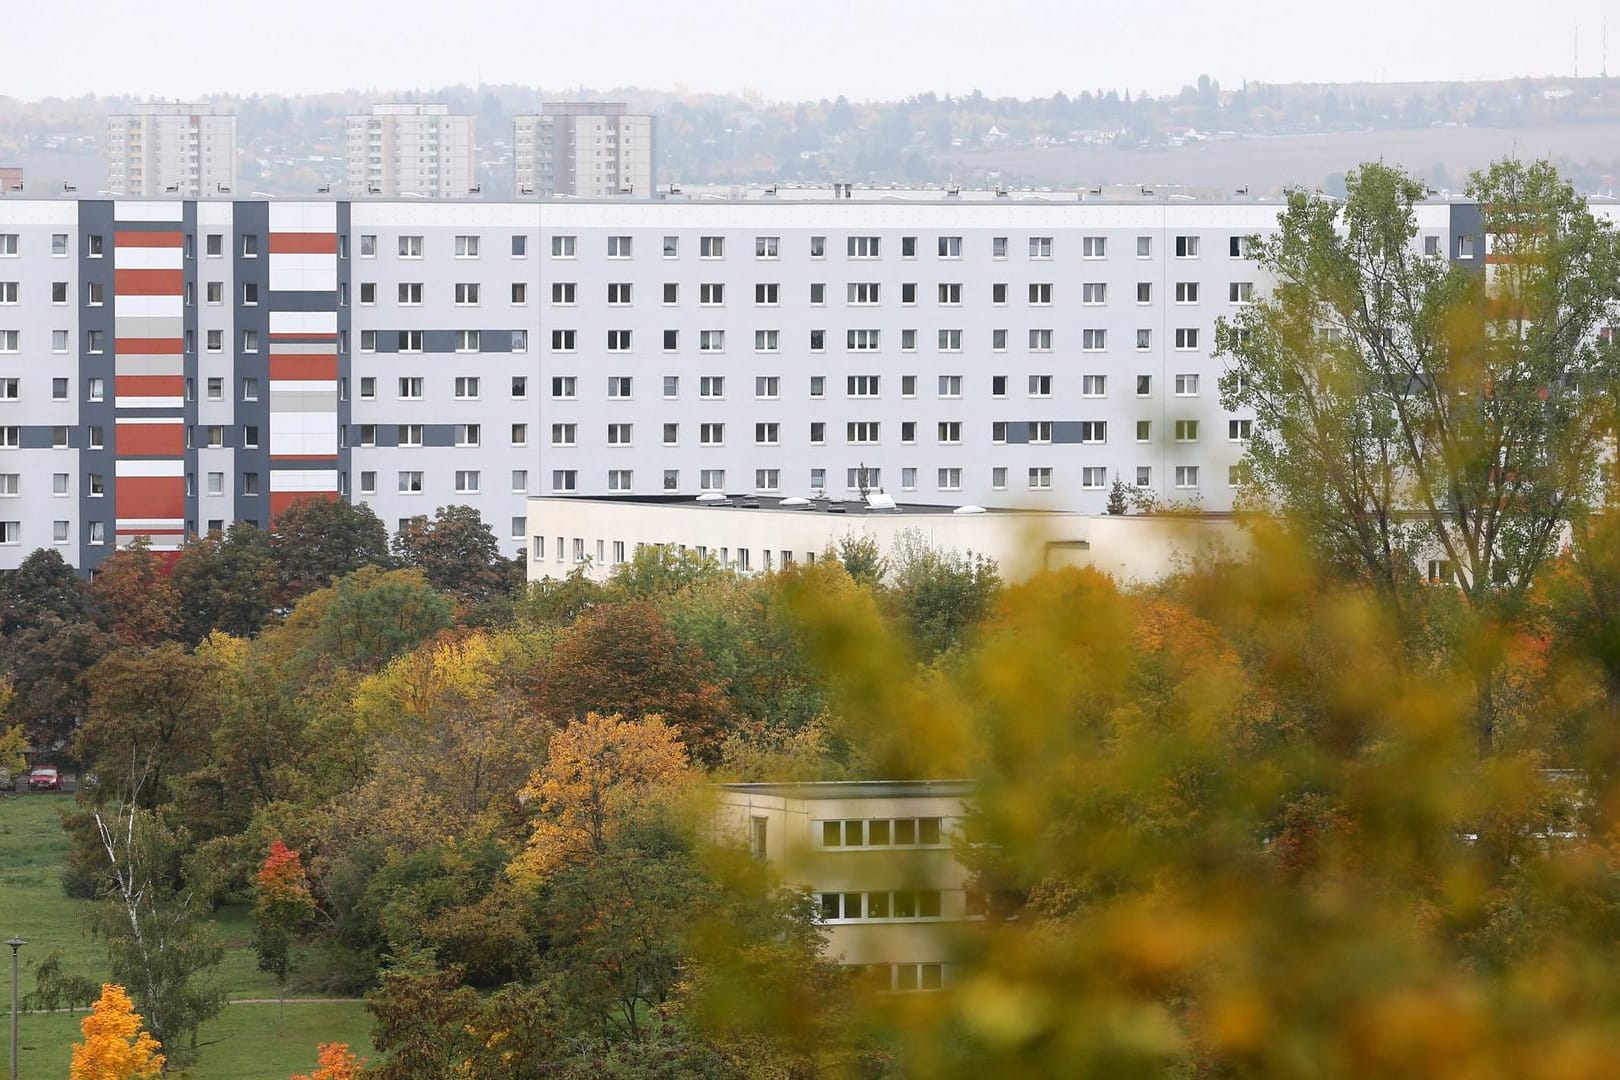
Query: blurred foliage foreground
(1239, 826)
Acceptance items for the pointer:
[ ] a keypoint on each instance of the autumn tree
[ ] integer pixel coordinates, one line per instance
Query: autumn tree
(623, 658)
(941, 594)
(597, 768)
(13, 742)
(316, 541)
(137, 601)
(48, 663)
(150, 717)
(282, 908)
(360, 622)
(114, 1046)
(334, 1061)
(1408, 407)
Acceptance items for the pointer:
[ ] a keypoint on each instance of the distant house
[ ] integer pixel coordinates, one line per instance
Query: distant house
(879, 860)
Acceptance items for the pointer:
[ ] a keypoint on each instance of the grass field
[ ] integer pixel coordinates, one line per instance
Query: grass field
(247, 1042)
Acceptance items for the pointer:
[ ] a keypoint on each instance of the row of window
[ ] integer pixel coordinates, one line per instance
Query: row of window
(769, 387)
(857, 293)
(871, 247)
(867, 432)
(1187, 339)
(880, 832)
(870, 478)
(467, 388)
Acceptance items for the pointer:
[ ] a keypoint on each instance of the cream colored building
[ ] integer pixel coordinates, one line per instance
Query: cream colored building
(878, 858)
(410, 150)
(760, 534)
(588, 149)
(185, 150)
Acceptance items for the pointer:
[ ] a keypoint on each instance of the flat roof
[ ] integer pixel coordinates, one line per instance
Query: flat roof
(856, 789)
(805, 506)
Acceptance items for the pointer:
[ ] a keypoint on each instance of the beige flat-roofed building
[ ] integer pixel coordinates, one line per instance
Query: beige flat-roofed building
(878, 858)
(758, 534)
(419, 150)
(185, 150)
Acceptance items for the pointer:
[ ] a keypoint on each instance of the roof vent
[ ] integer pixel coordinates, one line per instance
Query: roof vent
(969, 509)
(879, 500)
(711, 497)
(794, 502)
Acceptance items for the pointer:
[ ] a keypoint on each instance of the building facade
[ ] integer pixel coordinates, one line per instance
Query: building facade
(418, 151)
(877, 857)
(589, 149)
(184, 151)
(758, 534)
(169, 366)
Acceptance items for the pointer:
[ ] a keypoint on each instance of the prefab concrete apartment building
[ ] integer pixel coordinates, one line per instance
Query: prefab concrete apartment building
(181, 150)
(171, 366)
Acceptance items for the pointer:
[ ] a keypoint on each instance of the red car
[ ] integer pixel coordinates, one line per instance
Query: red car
(44, 779)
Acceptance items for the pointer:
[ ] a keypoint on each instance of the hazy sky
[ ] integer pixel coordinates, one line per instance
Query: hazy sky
(788, 49)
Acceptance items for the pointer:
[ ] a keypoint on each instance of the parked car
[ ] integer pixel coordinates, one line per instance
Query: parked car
(44, 779)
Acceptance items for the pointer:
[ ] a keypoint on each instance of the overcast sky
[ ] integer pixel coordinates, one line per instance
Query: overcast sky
(785, 50)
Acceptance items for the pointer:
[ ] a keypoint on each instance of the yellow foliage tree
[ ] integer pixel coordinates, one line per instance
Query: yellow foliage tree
(596, 769)
(334, 1061)
(12, 740)
(114, 1046)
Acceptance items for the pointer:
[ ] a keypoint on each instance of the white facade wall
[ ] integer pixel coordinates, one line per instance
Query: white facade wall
(40, 385)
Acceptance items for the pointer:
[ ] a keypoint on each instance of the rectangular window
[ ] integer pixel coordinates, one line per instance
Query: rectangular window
(619, 386)
(1238, 246)
(950, 341)
(409, 434)
(766, 340)
(712, 480)
(767, 247)
(1040, 247)
(563, 340)
(410, 387)
(410, 481)
(1187, 338)
(711, 434)
(1187, 385)
(711, 386)
(1240, 292)
(950, 432)
(1040, 478)
(862, 293)
(862, 386)
(619, 434)
(1093, 477)
(562, 247)
(862, 247)
(1040, 386)
(1239, 430)
(1093, 431)
(1186, 431)
(1093, 385)
(1186, 247)
(711, 341)
(950, 386)
(620, 480)
(563, 434)
(1094, 247)
(711, 247)
(1093, 340)
(767, 434)
(1186, 476)
(1040, 341)
(564, 480)
(861, 432)
(618, 341)
(410, 247)
(861, 340)
(1186, 292)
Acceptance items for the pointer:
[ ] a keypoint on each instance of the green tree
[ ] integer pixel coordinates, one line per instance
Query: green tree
(365, 619)
(159, 943)
(316, 541)
(44, 585)
(941, 595)
(1410, 408)
(225, 582)
(150, 719)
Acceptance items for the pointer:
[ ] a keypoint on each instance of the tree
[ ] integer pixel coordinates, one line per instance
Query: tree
(661, 569)
(456, 551)
(334, 1061)
(623, 658)
(137, 601)
(114, 1046)
(1411, 408)
(862, 558)
(48, 664)
(941, 595)
(13, 742)
(281, 910)
(365, 619)
(596, 770)
(44, 585)
(316, 541)
(150, 719)
(225, 582)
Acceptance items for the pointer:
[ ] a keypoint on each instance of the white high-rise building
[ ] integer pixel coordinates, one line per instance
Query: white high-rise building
(179, 149)
(589, 149)
(410, 150)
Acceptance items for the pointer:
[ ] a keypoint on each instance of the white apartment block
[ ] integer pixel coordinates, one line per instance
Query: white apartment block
(759, 534)
(187, 151)
(170, 365)
(591, 150)
(416, 151)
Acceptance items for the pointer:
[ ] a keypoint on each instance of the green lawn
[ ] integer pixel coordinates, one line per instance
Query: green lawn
(249, 1041)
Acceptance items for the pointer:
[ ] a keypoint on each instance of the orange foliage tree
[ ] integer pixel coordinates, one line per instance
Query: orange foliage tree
(595, 771)
(114, 1046)
(284, 905)
(334, 1061)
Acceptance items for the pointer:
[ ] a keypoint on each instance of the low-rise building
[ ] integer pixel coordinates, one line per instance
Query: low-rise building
(758, 534)
(879, 858)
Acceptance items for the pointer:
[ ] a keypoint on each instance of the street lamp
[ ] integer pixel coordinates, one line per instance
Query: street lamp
(15, 943)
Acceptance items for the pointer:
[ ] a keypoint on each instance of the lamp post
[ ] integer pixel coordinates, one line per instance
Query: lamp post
(15, 943)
